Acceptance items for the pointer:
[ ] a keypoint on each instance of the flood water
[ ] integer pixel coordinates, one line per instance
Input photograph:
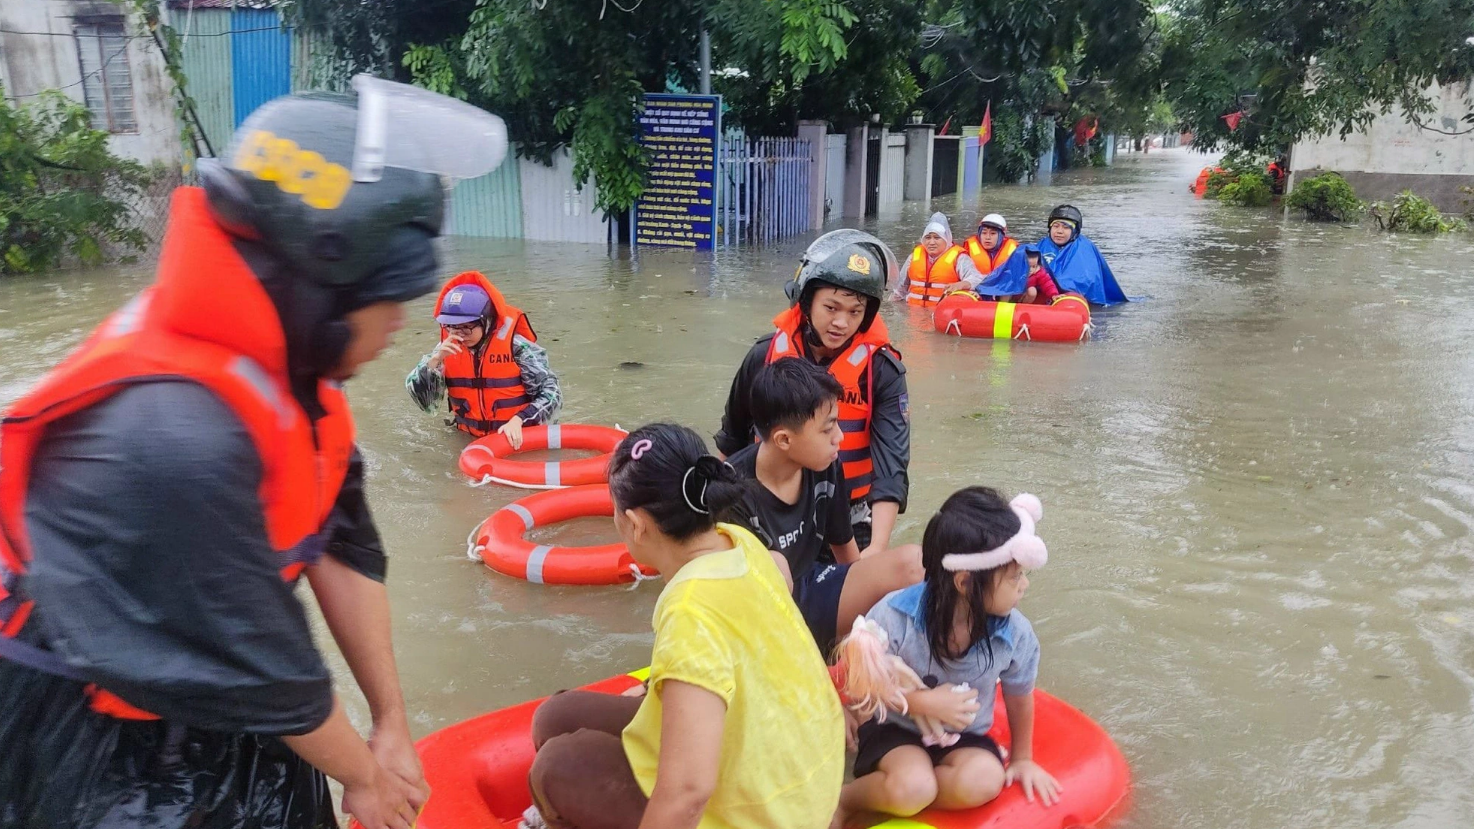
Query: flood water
(1259, 485)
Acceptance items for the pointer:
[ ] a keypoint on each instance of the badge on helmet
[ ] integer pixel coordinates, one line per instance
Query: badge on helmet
(849, 259)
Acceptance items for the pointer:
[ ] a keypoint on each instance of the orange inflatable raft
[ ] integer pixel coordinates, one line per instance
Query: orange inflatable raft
(500, 543)
(487, 460)
(477, 772)
(964, 314)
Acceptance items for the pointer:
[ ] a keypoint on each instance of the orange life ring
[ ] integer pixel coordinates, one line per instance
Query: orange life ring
(499, 541)
(488, 459)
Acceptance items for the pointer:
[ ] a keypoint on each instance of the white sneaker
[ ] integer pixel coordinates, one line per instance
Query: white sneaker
(532, 819)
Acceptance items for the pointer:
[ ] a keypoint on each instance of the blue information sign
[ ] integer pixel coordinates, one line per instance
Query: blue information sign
(679, 134)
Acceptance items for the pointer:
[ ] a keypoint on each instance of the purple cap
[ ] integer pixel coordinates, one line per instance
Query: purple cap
(464, 303)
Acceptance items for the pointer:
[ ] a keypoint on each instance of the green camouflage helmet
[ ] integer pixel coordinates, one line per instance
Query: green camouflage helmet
(287, 181)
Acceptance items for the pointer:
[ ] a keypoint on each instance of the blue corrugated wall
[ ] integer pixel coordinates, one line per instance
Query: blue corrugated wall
(261, 55)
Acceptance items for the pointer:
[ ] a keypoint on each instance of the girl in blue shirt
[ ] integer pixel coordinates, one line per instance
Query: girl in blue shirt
(961, 633)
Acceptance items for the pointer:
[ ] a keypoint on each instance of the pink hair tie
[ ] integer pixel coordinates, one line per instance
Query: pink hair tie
(638, 450)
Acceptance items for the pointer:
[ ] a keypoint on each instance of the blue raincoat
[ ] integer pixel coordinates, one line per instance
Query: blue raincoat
(1078, 267)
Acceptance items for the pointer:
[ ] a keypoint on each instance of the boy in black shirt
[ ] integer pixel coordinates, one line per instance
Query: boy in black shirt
(802, 508)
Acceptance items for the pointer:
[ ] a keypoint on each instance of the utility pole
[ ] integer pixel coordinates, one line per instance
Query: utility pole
(705, 62)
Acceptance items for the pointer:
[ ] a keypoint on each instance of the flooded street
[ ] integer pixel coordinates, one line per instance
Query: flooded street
(1259, 485)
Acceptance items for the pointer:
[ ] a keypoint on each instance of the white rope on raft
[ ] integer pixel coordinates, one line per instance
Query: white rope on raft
(640, 577)
(473, 550)
(492, 479)
(953, 327)
(1023, 333)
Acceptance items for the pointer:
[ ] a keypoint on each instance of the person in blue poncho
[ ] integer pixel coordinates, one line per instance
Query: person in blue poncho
(1074, 261)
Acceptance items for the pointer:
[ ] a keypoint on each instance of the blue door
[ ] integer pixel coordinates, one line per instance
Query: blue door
(261, 59)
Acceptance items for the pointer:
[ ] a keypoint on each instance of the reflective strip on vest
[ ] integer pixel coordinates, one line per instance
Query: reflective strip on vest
(128, 318)
(257, 378)
(780, 342)
(927, 283)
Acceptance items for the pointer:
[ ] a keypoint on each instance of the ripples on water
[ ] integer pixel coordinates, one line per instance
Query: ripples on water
(1257, 484)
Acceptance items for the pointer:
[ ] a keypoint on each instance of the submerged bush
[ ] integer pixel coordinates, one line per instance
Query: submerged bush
(1233, 168)
(1326, 198)
(1216, 182)
(1250, 190)
(1414, 213)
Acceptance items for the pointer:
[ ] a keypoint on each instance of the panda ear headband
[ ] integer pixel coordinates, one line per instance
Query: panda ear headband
(1024, 547)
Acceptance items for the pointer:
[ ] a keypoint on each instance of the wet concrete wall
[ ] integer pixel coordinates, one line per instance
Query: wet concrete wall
(1432, 156)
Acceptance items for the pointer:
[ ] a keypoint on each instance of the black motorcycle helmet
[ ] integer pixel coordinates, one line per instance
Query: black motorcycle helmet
(850, 259)
(327, 232)
(1069, 213)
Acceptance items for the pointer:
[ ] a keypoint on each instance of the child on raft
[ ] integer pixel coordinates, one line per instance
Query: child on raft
(1041, 288)
(961, 627)
(801, 507)
(741, 725)
(488, 365)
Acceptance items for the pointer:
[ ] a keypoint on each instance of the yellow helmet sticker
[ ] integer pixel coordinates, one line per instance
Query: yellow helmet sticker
(320, 183)
(859, 264)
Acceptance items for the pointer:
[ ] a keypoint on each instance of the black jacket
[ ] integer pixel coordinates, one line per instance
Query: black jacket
(152, 567)
(890, 421)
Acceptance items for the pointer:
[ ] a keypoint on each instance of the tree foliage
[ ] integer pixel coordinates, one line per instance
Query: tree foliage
(62, 191)
(570, 72)
(1307, 67)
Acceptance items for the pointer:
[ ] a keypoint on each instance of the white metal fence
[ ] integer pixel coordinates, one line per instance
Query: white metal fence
(762, 189)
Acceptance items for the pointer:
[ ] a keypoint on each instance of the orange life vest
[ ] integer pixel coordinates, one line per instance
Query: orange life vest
(206, 319)
(988, 263)
(484, 385)
(1200, 185)
(930, 280)
(855, 404)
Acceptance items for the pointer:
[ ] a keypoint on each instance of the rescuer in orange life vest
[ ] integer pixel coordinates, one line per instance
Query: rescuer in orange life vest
(936, 265)
(992, 245)
(834, 322)
(164, 487)
(488, 365)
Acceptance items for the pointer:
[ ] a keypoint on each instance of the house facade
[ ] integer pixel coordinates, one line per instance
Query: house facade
(100, 55)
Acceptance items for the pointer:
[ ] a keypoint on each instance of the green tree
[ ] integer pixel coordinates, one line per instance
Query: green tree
(1044, 61)
(571, 73)
(62, 191)
(1307, 67)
